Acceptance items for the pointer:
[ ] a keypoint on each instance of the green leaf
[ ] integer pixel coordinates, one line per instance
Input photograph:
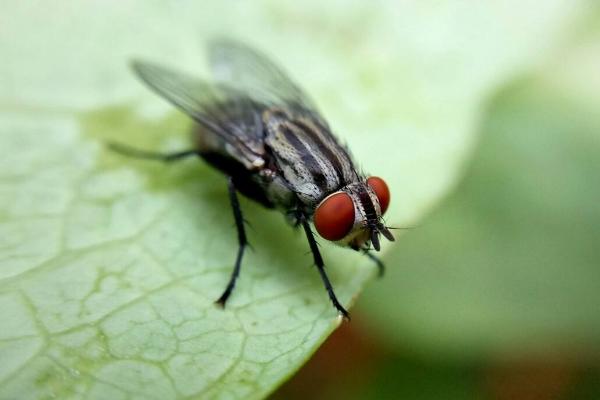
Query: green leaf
(508, 265)
(109, 267)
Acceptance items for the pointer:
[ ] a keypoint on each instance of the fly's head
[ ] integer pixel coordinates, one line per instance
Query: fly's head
(352, 216)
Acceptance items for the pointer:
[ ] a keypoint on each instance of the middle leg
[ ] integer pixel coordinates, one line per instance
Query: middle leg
(242, 240)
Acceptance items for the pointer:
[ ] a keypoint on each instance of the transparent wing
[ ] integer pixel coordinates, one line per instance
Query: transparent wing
(253, 73)
(225, 111)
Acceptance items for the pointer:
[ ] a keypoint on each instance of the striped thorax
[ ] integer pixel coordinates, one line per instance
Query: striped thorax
(312, 163)
(347, 208)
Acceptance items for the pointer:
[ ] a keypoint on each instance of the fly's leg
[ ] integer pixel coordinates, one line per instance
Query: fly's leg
(367, 252)
(320, 265)
(377, 261)
(149, 155)
(235, 204)
(243, 242)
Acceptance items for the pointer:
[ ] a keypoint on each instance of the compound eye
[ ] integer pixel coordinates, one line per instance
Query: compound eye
(334, 217)
(381, 191)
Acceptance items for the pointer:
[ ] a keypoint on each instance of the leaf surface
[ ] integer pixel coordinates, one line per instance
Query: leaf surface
(109, 267)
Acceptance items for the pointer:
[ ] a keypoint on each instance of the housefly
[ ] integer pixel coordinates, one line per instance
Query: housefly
(257, 127)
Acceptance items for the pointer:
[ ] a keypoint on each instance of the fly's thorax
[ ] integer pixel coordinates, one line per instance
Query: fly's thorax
(276, 189)
(307, 155)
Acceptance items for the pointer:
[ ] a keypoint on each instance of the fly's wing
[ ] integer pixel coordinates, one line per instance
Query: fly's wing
(228, 113)
(252, 72)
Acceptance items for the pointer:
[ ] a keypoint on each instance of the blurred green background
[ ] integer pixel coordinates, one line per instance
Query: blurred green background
(495, 294)
(484, 116)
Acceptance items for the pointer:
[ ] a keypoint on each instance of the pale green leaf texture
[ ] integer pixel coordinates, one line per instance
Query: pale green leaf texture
(109, 267)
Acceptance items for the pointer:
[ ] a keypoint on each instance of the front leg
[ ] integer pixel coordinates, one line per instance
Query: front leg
(320, 265)
(367, 252)
(376, 260)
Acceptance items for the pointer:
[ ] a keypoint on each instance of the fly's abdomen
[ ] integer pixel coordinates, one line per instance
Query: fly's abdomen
(307, 155)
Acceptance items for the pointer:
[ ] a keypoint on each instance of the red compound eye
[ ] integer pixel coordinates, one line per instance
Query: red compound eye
(334, 217)
(381, 190)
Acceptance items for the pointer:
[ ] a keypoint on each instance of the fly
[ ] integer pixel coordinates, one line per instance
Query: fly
(258, 128)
